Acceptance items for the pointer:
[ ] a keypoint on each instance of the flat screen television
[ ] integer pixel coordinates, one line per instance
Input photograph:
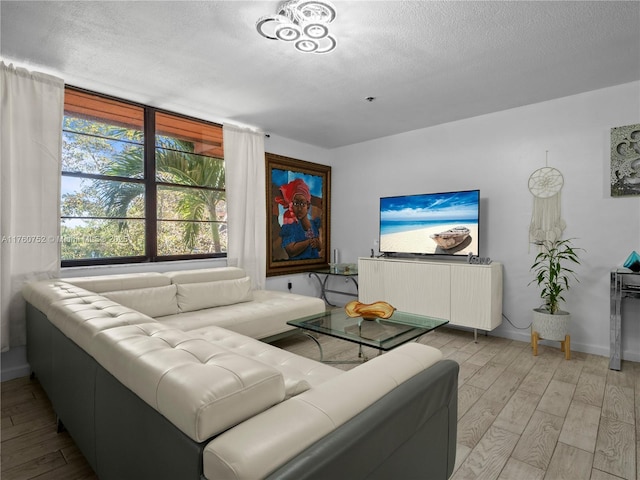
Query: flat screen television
(444, 223)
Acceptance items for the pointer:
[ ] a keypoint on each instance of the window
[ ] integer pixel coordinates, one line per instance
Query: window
(139, 184)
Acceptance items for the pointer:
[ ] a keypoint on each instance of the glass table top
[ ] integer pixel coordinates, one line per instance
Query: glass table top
(347, 271)
(624, 271)
(383, 334)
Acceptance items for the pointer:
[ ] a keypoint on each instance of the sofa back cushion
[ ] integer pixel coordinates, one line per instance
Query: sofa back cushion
(127, 281)
(152, 301)
(197, 296)
(206, 275)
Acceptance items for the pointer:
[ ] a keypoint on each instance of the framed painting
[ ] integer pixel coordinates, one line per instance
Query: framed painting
(625, 161)
(298, 215)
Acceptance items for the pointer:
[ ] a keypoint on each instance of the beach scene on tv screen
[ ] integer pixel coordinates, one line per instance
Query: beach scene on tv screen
(441, 223)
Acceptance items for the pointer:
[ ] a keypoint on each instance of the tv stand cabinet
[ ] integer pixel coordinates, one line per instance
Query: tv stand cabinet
(466, 295)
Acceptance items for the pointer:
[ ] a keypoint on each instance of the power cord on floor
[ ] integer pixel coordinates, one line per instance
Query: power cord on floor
(515, 326)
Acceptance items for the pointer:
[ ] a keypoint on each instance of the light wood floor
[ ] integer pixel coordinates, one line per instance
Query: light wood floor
(31, 446)
(519, 417)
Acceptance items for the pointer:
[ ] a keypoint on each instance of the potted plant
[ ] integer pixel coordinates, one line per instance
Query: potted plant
(552, 269)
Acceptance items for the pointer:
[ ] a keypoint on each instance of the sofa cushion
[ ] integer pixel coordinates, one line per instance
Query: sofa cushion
(43, 293)
(203, 389)
(83, 317)
(125, 281)
(197, 296)
(154, 301)
(299, 373)
(265, 316)
(206, 275)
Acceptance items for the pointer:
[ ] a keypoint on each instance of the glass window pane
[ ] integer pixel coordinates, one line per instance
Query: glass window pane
(191, 238)
(85, 239)
(187, 135)
(189, 169)
(86, 197)
(101, 156)
(197, 204)
(101, 129)
(103, 185)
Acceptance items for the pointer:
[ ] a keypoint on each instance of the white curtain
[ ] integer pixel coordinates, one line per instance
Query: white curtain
(32, 106)
(246, 197)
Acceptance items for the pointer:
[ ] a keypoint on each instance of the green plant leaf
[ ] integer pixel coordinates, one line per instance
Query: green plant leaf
(551, 273)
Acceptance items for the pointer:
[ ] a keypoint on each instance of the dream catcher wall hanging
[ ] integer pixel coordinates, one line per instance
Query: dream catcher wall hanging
(545, 184)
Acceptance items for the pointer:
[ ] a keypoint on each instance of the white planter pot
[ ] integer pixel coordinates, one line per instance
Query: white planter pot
(551, 327)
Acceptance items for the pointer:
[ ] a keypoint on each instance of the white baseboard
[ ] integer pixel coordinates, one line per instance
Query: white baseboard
(525, 336)
(14, 364)
(15, 372)
(575, 347)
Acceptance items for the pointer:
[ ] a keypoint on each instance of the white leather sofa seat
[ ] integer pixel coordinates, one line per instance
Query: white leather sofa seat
(259, 445)
(203, 389)
(299, 373)
(262, 317)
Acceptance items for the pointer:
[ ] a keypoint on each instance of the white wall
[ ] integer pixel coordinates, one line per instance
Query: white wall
(497, 153)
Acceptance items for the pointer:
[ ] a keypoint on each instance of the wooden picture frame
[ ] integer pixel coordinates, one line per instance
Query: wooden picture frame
(298, 215)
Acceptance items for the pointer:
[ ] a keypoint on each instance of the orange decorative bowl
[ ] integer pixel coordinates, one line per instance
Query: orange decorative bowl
(369, 311)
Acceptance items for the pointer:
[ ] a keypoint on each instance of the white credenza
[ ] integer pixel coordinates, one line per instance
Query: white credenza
(466, 295)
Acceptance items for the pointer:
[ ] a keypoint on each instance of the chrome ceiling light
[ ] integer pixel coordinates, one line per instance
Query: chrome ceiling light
(303, 22)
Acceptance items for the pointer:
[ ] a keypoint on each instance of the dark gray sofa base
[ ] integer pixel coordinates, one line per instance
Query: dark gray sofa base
(67, 374)
(419, 418)
(133, 441)
(409, 433)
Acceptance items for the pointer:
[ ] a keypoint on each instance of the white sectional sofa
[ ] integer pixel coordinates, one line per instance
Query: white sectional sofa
(162, 376)
(192, 299)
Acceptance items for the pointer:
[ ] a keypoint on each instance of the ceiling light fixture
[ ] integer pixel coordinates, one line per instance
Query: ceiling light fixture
(303, 22)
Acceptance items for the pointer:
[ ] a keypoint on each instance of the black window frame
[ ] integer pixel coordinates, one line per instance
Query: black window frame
(150, 183)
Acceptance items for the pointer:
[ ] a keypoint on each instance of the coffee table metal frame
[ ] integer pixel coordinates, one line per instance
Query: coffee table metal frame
(349, 275)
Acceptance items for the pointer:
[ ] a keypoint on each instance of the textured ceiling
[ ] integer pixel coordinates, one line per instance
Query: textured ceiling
(426, 62)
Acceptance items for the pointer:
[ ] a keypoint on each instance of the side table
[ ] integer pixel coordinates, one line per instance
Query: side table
(349, 275)
(624, 283)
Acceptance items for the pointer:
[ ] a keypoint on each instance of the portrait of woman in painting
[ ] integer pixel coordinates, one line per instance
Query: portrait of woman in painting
(300, 233)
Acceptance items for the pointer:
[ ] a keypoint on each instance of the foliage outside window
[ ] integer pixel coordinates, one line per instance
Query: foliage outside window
(139, 184)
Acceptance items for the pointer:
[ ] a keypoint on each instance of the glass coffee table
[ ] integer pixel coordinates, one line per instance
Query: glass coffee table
(381, 334)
